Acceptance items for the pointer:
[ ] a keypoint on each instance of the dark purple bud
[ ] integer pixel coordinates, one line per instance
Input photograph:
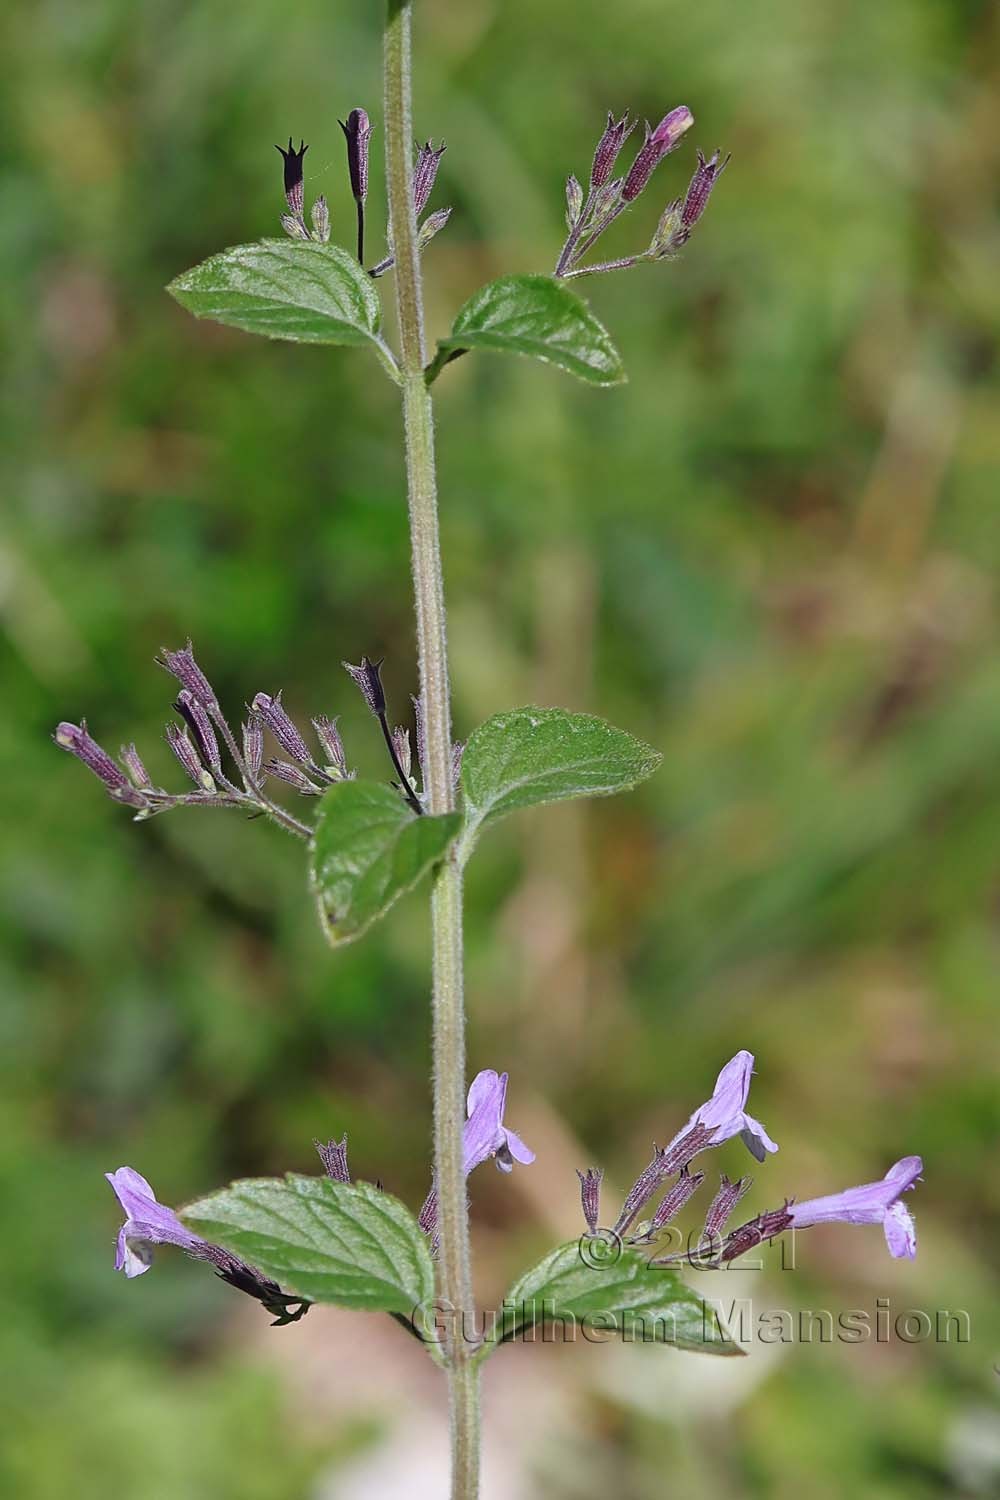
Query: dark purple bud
(132, 761)
(655, 147)
(182, 665)
(722, 1205)
(608, 148)
(457, 752)
(200, 725)
(432, 225)
(292, 776)
(590, 1196)
(748, 1236)
(294, 190)
(333, 1155)
(401, 747)
(700, 187)
(425, 170)
(333, 747)
(357, 130)
(246, 1279)
(685, 1187)
(76, 739)
(418, 714)
(253, 747)
(367, 678)
(272, 715)
(187, 755)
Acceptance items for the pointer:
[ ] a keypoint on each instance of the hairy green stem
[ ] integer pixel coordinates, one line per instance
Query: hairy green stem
(454, 1268)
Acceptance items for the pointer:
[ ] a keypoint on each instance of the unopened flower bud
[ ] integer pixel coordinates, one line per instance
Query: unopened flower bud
(294, 189)
(187, 756)
(401, 746)
(293, 227)
(655, 147)
(357, 130)
(333, 747)
(574, 201)
(425, 170)
(333, 1155)
(132, 761)
(700, 187)
(432, 225)
(685, 1187)
(182, 665)
(197, 720)
(321, 221)
(76, 739)
(293, 777)
(590, 1196)
(367, 678)
(608, 148)
(722, 1205)
(272, 715)
(253, 747)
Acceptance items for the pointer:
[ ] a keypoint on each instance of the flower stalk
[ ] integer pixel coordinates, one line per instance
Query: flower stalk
(454, 1268)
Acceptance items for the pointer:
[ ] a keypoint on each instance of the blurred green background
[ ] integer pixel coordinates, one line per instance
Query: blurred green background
(773, 554)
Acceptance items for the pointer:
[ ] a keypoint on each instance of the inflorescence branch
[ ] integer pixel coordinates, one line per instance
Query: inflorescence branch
(195, 742)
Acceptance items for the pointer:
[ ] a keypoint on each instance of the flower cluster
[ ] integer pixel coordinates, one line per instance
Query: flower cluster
(357, 130)
(590, 214)
(148, 1222)
(721, 1118)
(225, 772)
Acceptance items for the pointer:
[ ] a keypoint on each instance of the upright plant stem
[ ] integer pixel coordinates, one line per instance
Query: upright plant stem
(454, 1270)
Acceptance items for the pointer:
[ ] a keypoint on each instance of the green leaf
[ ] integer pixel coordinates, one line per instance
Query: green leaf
(368, 848)
(538, 316)
(285, 289)
(624, 1295)
(328, 1241)
(533, 755)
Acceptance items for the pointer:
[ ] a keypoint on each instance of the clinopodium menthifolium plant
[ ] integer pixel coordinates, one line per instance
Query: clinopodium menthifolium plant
(291, 1242)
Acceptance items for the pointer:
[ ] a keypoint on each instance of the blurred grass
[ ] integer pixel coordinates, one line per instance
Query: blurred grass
(773, 554)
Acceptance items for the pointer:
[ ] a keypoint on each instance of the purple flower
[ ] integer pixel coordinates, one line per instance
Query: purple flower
(658, 144)
(725, 1114)
(872, 1203)
(77, 740)
(146, 1223)
(485, 1134)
